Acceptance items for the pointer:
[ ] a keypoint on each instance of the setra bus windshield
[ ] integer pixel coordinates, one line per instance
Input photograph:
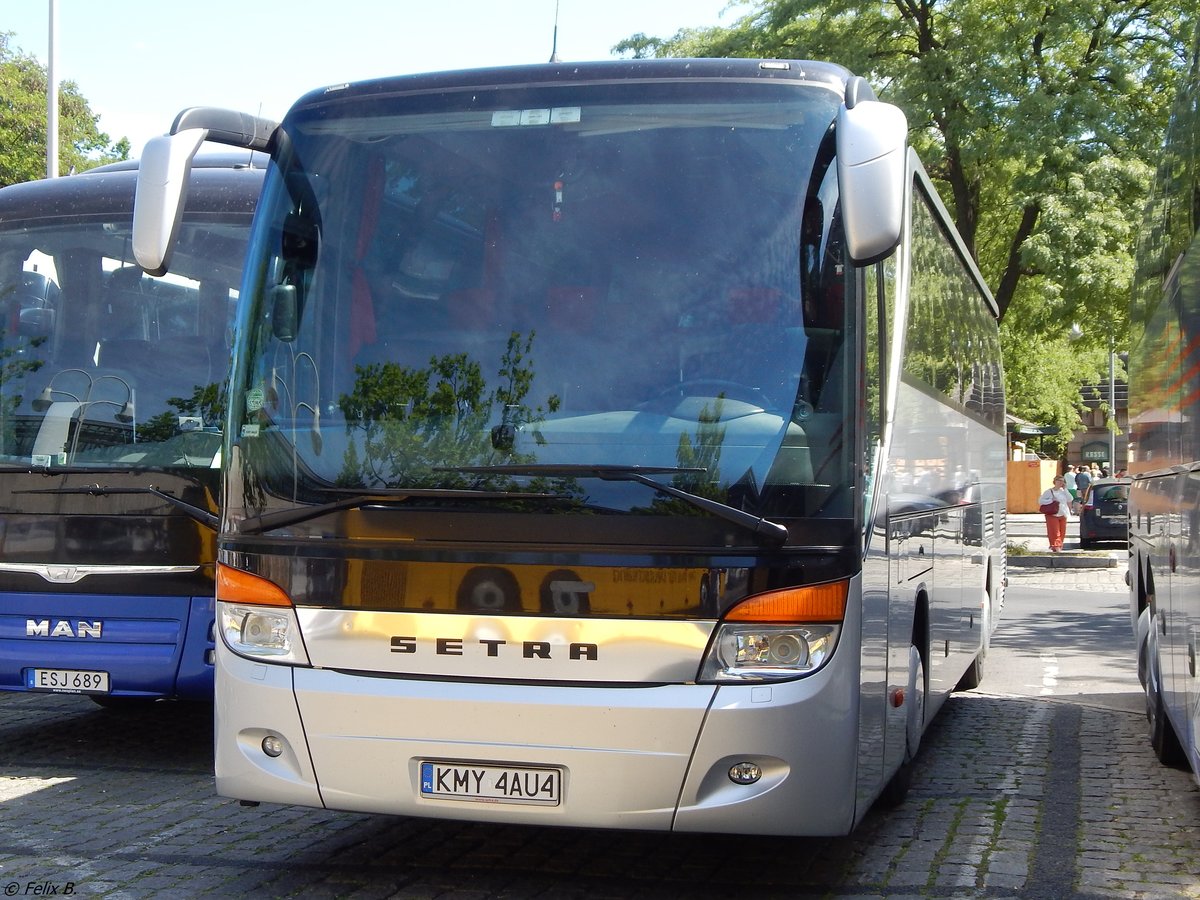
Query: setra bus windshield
(596, 300)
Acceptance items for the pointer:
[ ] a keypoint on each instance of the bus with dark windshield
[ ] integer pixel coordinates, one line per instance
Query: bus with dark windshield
(614, 444)
(111, 406)
(1164, 440)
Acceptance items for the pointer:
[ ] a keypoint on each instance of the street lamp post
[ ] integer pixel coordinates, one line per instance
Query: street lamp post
(1112, 406)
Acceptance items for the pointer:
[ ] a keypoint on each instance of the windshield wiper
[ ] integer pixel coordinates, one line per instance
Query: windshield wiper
(770, 532)
(360, 498)
(203, 516)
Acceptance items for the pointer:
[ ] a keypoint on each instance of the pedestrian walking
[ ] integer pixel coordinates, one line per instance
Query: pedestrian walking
(1069, 477)
(1082, 479)
(1055, 505)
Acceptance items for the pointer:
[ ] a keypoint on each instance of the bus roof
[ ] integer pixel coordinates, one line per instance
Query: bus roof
(229, 183)
(835, 76)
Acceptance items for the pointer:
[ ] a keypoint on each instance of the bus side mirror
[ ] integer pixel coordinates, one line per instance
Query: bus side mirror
(284, 312)
(163, 173)
(162, 182)
(871, 142)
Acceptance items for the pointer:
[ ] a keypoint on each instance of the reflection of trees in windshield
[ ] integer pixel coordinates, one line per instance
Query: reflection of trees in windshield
(207, 403)
(412, 421)
(702, 452)
(15, 363)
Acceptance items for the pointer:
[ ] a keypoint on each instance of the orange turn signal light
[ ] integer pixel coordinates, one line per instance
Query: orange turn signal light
(810, 603)
(236, 586)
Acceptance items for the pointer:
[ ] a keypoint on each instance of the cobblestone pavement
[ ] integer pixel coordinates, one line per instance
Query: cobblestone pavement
(1013, 797)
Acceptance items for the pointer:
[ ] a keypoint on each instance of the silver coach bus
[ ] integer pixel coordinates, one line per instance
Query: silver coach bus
(1164, 441)
(617, 444)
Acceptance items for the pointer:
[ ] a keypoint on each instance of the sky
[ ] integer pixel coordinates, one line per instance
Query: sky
(139, 62)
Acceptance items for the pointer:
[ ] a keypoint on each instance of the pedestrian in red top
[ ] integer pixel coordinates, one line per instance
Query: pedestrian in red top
(1055, 505)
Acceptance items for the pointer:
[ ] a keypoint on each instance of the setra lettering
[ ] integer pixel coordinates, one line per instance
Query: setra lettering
(445, 646)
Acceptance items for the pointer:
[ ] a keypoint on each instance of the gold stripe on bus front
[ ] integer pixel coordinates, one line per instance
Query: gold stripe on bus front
(505, 647)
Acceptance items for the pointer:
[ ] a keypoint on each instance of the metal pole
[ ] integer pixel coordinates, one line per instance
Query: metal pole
(1112, 407)
(52, 98)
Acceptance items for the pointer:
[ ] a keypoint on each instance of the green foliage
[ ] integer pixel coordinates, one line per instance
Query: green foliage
(81, 143)
(207, 401)
(1043, 377)
(1039, 122)
(701, 452)
(413, 420)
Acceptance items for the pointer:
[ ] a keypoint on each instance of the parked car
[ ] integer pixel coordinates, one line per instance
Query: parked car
(1104, 512)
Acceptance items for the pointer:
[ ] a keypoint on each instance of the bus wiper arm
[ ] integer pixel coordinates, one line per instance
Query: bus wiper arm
(360, 498)
(770, 532)
(203, 516)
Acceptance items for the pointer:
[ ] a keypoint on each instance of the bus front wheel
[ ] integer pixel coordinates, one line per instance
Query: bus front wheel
(1163, 738)
(896, 789)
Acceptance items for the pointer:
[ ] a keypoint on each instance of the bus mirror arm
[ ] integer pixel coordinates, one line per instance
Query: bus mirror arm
(227, 126)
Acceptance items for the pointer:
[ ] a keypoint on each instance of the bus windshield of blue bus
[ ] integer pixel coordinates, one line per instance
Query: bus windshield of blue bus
(103, 366)
(544, 289)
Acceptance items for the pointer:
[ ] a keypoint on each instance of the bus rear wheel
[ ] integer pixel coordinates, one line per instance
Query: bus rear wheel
(973, 677)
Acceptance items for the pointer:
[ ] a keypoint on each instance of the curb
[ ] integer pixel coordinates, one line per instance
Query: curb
(1063, 561)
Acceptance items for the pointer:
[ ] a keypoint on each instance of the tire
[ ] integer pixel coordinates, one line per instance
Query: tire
(896, 790)
(489, 589)
(559, 603)
(973, 677)
(1163, 738)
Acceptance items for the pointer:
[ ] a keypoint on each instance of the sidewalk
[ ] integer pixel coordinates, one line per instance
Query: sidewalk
(1028, 530)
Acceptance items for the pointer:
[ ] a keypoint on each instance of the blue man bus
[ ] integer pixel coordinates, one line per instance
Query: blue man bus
(110, 412)
(613, 444)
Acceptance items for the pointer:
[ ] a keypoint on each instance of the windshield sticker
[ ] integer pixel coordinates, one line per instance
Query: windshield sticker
(559, 115)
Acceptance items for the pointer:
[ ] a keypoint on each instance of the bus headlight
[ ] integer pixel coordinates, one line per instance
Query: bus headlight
(256, 618)
(767, 652)
(262, 633)
(777, 635)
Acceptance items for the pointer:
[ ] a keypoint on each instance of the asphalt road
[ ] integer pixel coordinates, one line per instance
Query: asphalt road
(1040, 784)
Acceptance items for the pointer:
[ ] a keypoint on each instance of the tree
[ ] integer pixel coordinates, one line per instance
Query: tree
(1039, 122)
(82, 144)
